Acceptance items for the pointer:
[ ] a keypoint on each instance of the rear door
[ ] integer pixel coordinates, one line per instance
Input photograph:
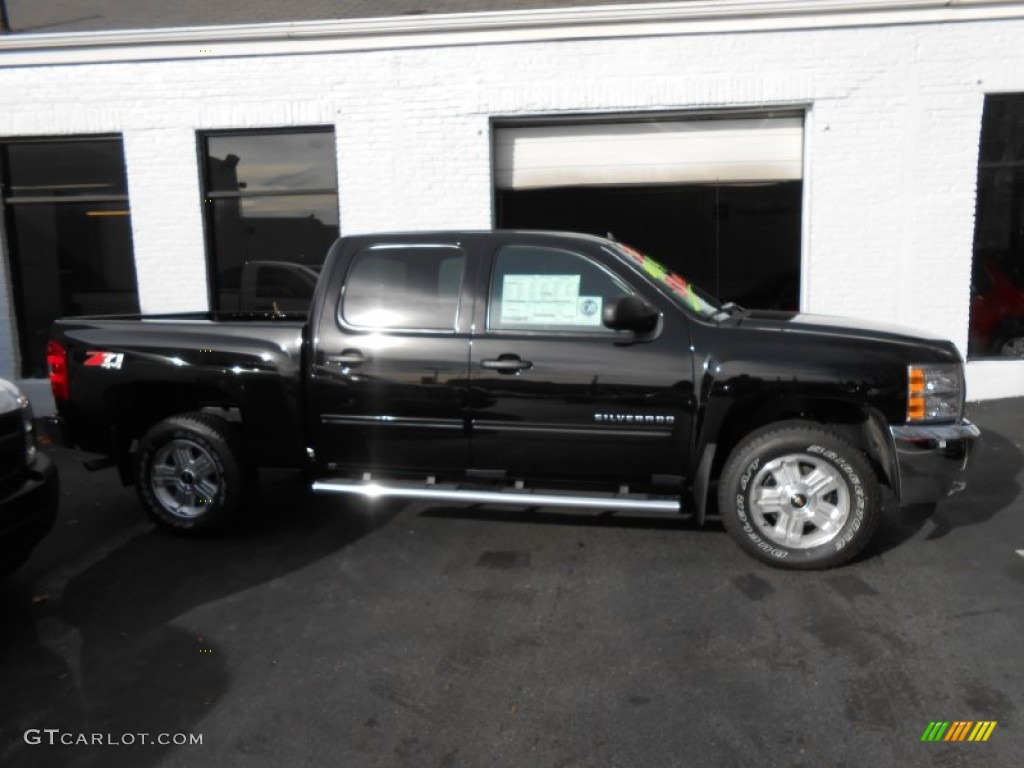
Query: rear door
(388, 384)
(554, 392)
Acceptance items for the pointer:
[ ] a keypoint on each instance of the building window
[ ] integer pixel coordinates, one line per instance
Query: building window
(997, 285)
(270, 198)
(69, 234)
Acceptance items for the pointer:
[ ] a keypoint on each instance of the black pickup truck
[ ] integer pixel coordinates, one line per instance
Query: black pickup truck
(527, 368)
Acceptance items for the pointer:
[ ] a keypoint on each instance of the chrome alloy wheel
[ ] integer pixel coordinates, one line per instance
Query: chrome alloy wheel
(799, 501)
(185, 478)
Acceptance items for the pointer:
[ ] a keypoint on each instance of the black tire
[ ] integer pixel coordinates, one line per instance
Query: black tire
(192, 474)
(826, 509)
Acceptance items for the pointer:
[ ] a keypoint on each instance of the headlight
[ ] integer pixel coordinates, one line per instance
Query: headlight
(935, 392)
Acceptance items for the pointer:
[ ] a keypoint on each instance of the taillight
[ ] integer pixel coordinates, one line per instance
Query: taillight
(57, 360)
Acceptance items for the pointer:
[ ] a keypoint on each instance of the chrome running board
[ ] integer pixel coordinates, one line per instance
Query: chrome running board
(513, 496)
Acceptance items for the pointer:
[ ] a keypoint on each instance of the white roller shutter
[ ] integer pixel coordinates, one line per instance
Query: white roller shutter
(669, 152)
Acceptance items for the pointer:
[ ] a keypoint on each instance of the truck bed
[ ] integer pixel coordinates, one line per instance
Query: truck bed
(246, 363)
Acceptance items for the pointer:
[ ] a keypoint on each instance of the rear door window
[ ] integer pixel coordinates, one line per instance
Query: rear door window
(404, 287)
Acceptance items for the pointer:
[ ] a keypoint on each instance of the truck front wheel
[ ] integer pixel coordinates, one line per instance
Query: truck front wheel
(191, 474)
(799, 497)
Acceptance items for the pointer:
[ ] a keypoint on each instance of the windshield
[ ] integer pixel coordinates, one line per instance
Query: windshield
(682, 291)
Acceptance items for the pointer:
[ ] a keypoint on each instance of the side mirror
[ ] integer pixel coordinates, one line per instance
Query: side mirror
(630, 313)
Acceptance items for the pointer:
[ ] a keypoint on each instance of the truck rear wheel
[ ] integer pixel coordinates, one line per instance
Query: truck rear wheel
(799, 497)
(191, 473)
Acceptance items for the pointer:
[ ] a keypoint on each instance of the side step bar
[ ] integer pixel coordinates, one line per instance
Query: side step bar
(516, 496)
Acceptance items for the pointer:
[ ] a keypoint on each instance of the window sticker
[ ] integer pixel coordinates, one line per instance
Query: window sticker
(588, 311)
(547, 300)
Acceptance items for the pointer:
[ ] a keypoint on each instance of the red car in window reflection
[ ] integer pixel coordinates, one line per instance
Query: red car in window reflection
(997, 308)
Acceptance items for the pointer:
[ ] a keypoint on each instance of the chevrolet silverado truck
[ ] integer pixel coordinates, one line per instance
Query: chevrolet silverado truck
(535, 369)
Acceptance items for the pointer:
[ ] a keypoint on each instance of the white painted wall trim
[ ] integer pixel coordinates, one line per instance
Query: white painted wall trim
(489, 28)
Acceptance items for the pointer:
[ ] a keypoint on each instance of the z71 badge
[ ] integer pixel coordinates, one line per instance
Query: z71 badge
(104, 360)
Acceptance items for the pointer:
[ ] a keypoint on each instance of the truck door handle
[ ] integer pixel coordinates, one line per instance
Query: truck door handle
(348, 357)
(507, 364)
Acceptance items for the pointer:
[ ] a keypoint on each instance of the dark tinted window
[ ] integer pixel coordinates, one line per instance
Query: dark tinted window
(69, 235)
(546, 289)
(997, 289)
(414, 288)
(737, 242)
(261, 162)
(76, 168)
(268, 196)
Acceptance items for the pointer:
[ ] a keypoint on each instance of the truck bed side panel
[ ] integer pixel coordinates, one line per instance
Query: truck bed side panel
(129, 372)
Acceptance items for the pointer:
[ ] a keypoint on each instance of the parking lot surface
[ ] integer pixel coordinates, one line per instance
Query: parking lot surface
(333, 633)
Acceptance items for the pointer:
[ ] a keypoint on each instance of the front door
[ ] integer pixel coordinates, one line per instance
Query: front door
(554, 393)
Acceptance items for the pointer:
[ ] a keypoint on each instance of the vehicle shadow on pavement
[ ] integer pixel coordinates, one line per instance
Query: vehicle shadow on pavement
(992, 486)
(106, 656)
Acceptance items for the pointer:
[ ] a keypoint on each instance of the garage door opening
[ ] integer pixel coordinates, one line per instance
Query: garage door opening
(718, 200)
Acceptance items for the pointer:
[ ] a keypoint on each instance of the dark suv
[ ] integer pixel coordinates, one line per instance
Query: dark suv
(28, 482)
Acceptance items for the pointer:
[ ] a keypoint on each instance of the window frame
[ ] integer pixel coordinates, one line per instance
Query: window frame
(209, 197)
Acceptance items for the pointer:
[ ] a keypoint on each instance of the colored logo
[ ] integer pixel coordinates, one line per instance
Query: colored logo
(958, 730)
(109, 360)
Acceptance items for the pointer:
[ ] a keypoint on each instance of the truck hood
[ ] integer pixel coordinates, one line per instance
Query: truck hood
(829, 325)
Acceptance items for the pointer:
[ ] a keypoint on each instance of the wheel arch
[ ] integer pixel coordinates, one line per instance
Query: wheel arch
(140, 406)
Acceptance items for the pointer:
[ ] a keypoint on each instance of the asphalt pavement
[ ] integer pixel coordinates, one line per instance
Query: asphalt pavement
(333, 633)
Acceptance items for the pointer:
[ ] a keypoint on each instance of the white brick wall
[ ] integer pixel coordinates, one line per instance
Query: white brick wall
(891, 142)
